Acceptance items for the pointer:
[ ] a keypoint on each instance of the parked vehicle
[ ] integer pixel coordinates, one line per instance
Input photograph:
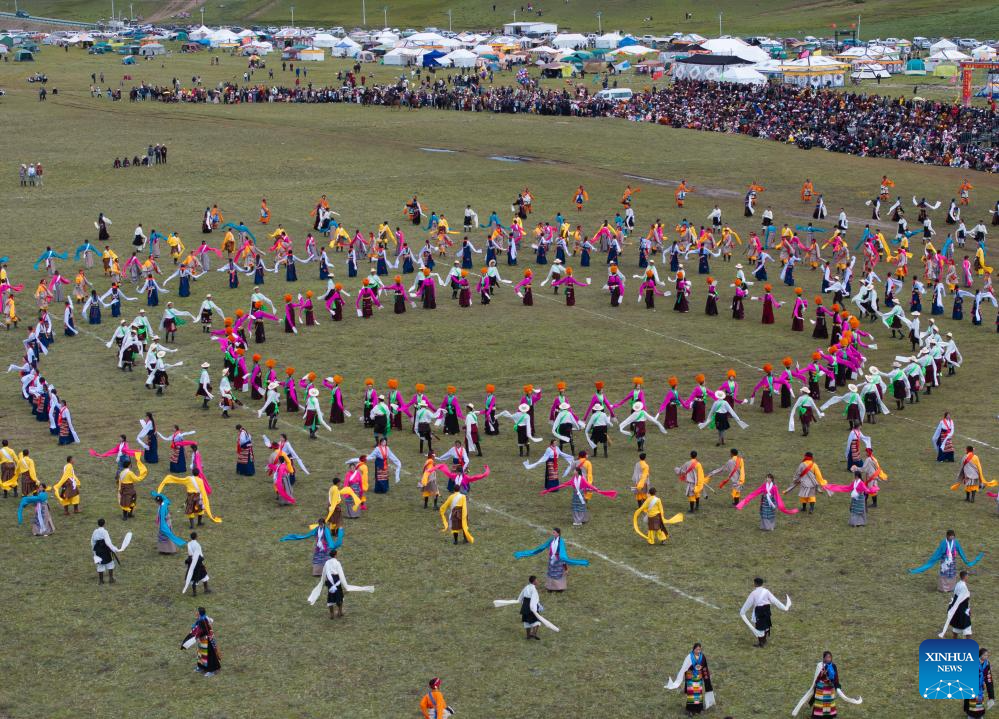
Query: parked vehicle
(620, 94)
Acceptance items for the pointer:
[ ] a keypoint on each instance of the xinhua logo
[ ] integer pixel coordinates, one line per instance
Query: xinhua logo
(948, 669)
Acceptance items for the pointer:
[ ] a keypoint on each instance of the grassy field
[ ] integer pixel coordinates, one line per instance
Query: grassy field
(629, 617)
(878, 18)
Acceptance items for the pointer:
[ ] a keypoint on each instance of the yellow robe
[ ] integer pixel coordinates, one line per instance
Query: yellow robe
(456, 500)
(68, 473)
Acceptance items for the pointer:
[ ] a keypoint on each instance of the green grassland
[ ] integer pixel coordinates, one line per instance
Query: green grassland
(901, 18)
(630, 616)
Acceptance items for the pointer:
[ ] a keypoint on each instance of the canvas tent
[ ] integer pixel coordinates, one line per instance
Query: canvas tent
(432, 58)
(346, 48)
(915, 67)
(401, 56)
(610, 40)
(942, 44)
(23, 55)
(152, 49)
(735, 46)
(704, 67)
(742, 75)
(460, 58)
(814, 71)
(870, 71)
(569, 41)
(324, 39)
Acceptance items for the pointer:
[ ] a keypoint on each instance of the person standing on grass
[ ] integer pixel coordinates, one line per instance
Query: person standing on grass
(203, 634)
(758, 602)
(432, 704)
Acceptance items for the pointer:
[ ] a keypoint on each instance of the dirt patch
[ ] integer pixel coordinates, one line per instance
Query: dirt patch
(173, 8)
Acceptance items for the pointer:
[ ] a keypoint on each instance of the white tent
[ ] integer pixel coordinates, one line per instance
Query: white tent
(223, 35)
(742, 76)
(151, 49)
(691, 37)
(735, 46)
(246, 33)
(386, 38)
(459, 58)
(609, 40)
(424, 38)
(200, 33)
(324, 39)
(633, 50)
(984, 52)
(870, 71)
(947, 56)
(484, 50)
(346, 48)
(401, 56)
(542, 50)
(942, 44)
(570, 40)
(258, 48)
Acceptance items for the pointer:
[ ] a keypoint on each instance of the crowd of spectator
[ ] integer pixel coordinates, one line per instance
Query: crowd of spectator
(921, 131)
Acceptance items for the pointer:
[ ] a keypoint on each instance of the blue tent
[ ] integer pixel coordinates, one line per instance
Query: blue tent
(430, 58)
(626, 41)
(128, 60)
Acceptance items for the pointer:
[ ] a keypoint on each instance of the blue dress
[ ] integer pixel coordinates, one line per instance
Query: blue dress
(351, 268)
(324, 270)
(510, 259)
(466, 257)
(382, 266)
(233, 279)
(703, 268)
(407, 265)
(185, 286)
(584, 258)
(958, 312)
(789, 277)
(290, 273)
(94, 314)
(152, 297)
(258, 274)
(151, 455)
(542, 257)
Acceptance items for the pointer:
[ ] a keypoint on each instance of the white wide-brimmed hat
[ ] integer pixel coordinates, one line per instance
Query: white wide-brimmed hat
(719, 394)
(524, 408)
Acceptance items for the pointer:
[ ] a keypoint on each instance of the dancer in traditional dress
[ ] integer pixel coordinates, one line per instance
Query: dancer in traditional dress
(432, 704)
(582, 488)
(808, 479)
(958, 620)
(197, 573)
(943, 439)
(985, 699)
(821, 696)
(735, 474)
(550, 458)
(655, 518)
(970, 475)
(202, 631)
(695, 679)
(758, 602)
(718, 417)
(558, 561)
(105, 553)
(947, 553)
(770, 503)
(67, 489)
(691, 473)
(454, 516)
(41, 517)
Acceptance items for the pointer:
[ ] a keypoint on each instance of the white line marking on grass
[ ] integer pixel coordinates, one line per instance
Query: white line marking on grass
(621, 565)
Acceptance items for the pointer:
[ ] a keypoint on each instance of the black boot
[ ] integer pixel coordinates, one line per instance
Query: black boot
(455, 535)
(426, 502)
(124, 514)
(811, 507)
(691, 510)
(111, 576)
(200, 519)
(697, 504)
(100, 577)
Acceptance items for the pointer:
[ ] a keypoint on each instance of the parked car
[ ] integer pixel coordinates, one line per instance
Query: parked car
(967, 43)
(921, 43)
(21, 13)
(620, 94)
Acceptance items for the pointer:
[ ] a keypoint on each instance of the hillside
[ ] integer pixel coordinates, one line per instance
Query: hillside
(903, 18)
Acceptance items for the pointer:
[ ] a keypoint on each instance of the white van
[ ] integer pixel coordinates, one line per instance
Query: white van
(620, 94)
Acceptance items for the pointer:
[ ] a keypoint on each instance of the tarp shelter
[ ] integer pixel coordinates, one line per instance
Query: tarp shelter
(312, 54)
(991, 89)
(945, 70)
(735, 46)
(570, 41)
(24, 56)
(432, 58)
(942, 44)
(130, 60)
(191, 47)
(945, 57)
(742, 75)
(152, 49)
(346, 48)
(704, 67)
(460, 58)
(915, 67)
